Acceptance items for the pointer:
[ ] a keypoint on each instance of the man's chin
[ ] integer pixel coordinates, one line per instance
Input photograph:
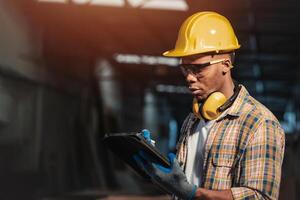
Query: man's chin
(200, 98)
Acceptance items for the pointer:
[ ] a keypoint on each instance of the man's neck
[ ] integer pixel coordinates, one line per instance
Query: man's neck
(228, 88)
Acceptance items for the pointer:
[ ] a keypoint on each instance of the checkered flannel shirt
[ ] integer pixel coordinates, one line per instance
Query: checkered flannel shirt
(243, 152)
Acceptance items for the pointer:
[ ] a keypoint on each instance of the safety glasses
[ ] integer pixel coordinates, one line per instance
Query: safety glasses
(194, 68)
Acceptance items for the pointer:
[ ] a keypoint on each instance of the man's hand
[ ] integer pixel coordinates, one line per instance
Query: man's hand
(170, 179)
(147, 135)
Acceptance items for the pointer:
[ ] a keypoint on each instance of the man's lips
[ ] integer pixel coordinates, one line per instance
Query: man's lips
(195, 91)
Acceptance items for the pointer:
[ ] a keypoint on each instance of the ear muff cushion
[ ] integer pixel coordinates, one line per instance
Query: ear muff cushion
(210, 108)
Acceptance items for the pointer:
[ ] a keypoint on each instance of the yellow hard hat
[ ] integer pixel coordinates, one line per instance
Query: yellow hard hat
(204, 32)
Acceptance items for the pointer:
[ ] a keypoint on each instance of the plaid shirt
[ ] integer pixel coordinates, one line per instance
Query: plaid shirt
(243, 152)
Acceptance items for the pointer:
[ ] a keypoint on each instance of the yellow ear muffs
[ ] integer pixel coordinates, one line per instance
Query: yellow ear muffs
(209, 110)
(215, 104)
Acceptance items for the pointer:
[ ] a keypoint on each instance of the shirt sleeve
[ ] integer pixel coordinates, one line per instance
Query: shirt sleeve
(261, 164)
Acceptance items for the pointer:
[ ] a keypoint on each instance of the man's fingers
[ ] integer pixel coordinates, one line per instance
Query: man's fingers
(138, 160)
(163, 169)
(155, 166)
(171, 157)
(147, 135)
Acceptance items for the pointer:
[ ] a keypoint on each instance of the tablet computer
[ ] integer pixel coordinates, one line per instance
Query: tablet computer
(125, 145)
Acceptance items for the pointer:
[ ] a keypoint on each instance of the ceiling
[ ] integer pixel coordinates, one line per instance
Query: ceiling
(74, 36)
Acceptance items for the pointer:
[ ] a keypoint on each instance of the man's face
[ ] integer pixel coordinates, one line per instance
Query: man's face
(204, 80)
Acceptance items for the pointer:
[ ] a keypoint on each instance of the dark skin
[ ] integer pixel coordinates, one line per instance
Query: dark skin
(204, 194)
(216, 77)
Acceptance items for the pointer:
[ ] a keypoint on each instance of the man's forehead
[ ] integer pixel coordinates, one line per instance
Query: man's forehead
(196, 57)
(204, 56)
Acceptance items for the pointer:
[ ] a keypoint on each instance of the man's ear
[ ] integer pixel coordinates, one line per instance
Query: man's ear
(227, 65)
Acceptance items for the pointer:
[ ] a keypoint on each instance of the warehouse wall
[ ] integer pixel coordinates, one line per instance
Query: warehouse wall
(45, 143)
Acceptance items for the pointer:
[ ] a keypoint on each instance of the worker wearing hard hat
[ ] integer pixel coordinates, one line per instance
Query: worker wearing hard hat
(231, 146)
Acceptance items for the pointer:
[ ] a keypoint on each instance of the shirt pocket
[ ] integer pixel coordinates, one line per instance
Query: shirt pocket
(223, 167)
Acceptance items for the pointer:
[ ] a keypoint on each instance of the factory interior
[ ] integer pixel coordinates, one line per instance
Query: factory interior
(72, 71)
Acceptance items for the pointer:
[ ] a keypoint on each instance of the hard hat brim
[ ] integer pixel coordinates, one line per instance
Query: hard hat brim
(178, 53)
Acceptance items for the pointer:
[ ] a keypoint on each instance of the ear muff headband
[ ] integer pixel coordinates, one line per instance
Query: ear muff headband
(231, 100)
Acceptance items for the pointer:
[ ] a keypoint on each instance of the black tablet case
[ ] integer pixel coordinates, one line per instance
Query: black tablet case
(125, 145)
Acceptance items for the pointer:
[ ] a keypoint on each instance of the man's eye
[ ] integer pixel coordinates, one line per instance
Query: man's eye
(200, 76)
(197, 70)
(199, 73)
(194, 69)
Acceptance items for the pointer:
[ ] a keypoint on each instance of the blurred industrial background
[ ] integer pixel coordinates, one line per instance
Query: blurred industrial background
(73, 70)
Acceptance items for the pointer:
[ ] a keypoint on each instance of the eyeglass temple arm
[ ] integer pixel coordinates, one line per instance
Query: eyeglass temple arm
(219, 60)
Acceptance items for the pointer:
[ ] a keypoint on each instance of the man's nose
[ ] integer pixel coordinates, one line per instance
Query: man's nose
(190, 78)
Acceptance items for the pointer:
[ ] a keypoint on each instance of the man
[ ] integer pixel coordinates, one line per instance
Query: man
(232, 146)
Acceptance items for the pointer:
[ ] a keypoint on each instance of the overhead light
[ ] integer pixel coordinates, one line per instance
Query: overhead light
(166, 5)
(180, 5)
(117, 3)
(146, 59)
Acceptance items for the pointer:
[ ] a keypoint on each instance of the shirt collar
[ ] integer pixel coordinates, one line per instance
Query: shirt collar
(236, 108)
